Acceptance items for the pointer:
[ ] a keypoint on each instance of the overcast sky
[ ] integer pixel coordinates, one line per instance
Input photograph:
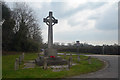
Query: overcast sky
(91, 22)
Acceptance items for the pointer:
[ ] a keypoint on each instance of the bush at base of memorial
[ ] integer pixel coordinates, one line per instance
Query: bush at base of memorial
(38, 72)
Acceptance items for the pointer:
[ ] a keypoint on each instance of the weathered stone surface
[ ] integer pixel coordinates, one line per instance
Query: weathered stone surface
(50, 61)
(16, 64)
(23, 57)
(45, 63)
(20, 60)
(78, 58)
(39, 61)
(69, 62)
(38, 54)
(50, 52)
(89, 60)
(64, 55)
(29, 64)
(50, 21)
(56, 61)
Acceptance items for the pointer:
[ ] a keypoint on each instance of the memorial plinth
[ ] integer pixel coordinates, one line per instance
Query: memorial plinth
(50, 52)
(50, 61)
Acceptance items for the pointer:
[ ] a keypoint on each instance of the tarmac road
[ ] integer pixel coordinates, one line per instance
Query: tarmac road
(109, 71)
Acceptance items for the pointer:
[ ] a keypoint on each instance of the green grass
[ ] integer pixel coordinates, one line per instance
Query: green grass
(82, 67)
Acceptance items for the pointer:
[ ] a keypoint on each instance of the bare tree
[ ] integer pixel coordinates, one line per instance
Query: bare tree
(26, 25)
(23, 14)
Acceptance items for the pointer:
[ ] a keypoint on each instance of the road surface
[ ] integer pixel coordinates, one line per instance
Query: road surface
(109, 71)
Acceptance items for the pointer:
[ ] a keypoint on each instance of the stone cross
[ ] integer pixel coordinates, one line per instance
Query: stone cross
(50, 21)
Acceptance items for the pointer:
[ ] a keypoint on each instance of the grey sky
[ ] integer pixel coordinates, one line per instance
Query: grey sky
(90, 22)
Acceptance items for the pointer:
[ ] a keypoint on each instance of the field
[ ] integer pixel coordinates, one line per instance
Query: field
(82, 67)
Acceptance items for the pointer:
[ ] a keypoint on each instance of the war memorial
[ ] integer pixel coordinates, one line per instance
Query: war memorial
(50, 54)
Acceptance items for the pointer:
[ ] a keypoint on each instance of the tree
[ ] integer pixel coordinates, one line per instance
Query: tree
(7, 27)
(5, 12)
(20, 29)
(27, 31)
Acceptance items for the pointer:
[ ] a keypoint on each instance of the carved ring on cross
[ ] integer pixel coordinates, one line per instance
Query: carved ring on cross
(47, 21)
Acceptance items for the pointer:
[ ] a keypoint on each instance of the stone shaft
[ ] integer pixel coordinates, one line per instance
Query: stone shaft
(50, 31)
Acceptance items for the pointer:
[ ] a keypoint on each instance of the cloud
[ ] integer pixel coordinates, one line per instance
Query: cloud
(81, 23)
(93, 22)
(81, 7)
(109, 19)
(81, 19)
(82, 1)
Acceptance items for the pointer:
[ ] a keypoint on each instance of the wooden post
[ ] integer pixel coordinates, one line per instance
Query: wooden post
(45, 63)
(16, 64)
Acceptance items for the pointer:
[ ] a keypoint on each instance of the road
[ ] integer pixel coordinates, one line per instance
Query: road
(109, 71)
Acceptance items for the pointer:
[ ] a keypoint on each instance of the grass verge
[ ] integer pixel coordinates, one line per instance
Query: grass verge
(82, 67)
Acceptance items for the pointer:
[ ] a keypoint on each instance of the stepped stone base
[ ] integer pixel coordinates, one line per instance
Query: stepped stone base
(50, 61)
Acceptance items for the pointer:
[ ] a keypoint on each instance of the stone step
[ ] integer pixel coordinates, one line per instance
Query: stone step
(29, 65)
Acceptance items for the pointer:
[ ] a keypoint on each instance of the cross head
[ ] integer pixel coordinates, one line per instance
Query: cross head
(50, 20)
